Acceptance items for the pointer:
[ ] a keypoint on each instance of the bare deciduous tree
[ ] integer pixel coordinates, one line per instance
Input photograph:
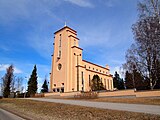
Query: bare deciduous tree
(19, 81)
(145, 52)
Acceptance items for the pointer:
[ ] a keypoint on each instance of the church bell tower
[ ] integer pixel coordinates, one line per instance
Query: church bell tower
(62, 77)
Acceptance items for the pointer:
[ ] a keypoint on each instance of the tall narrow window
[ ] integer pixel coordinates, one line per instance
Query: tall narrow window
(82, 82)
(82, 78)
(105, 83)
(59, 51)
(60, 40)
(59, 54)
(89, 80)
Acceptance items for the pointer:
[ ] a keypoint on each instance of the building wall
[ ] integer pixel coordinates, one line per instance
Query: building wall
(91, 69)
(73, 66)
(119, 93)
(62, 76)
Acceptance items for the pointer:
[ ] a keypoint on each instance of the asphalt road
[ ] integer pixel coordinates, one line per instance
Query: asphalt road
(5, 115)
(150, 109)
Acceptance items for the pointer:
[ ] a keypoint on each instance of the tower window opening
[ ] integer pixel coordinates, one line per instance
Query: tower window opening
(59, 51)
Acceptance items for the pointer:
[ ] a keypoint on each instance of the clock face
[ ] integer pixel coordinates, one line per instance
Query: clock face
(59, 66)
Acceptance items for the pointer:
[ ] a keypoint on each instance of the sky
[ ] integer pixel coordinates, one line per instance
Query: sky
(27, 32)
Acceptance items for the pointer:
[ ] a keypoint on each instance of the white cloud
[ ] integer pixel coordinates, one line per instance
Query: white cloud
(109, 3)
(3, 67)
(81, 3)
(32, 12)
(4, 48)
(12, 10)
(91, 37)
(16, 70)
(43, 45)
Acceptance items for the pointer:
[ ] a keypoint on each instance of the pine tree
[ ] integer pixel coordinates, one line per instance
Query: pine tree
(139, 81)
(44, 86)
(129, 80)
(96, 83)
(121, 84)
(136, 80)
(118, 82)
(32, 83)
(116, 79)
(7, 79)
(158, 75)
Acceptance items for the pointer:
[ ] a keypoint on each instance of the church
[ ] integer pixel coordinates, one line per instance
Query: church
(69, 71)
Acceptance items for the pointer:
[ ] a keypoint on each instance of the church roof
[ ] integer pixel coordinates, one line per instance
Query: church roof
(95, 64)
(65, 28)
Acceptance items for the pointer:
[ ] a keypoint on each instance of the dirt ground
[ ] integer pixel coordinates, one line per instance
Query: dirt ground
(35, 110)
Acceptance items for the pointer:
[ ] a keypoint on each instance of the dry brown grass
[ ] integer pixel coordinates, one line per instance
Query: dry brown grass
(48, 111)
(147, 101)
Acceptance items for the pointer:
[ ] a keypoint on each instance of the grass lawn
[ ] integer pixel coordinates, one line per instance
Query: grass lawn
(37, 110)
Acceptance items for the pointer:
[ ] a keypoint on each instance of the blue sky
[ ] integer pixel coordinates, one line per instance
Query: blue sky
(27, 27)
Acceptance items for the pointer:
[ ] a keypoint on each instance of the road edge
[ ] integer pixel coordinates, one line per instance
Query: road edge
(15, 113)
